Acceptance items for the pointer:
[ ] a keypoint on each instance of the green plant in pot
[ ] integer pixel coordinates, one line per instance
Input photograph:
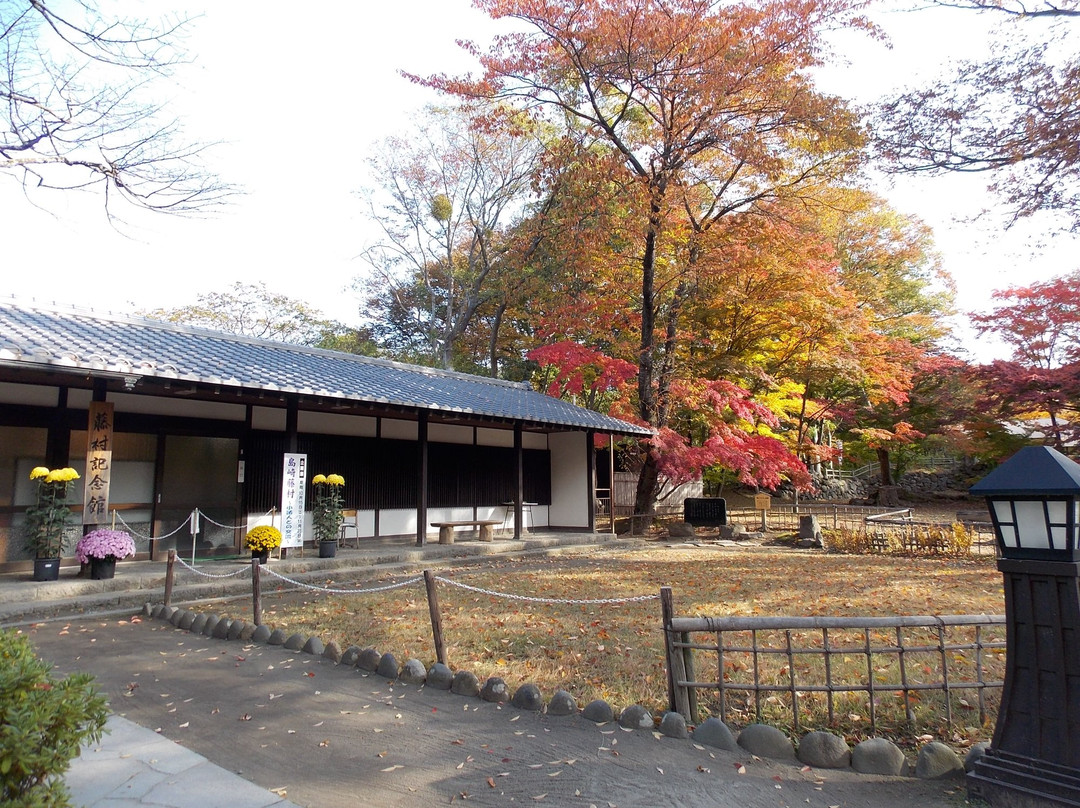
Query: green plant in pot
(326, 513)
(47, 518)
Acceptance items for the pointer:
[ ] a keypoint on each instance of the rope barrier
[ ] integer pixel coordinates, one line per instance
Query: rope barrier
(592, 602)
(240, 571)
(304, 585)
(149, 538)
(202, 515)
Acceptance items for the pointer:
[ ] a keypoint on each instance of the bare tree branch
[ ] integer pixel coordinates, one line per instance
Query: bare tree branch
(75, 90)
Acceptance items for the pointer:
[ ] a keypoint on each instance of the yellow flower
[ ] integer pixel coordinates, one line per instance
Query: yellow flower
(263, 537)
(335, 479)
(39, 471)
(318, 479)
(69, 474)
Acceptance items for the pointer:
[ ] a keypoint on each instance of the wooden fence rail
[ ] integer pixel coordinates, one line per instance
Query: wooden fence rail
(769, 657)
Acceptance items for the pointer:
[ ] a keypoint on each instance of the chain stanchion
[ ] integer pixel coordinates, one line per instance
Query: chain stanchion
(436, 616)
(204, 574)
(256, 591)
(529, 599)
(170, 574)
(302, 585)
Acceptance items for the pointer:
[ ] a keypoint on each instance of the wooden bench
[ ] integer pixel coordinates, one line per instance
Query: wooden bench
(446, 529)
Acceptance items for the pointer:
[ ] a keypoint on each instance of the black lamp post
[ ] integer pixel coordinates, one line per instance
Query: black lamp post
(1034, 759)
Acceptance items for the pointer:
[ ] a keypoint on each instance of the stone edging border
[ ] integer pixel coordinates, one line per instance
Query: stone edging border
(822, 750)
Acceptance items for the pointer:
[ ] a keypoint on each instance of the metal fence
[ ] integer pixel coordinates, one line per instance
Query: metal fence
(805, 665)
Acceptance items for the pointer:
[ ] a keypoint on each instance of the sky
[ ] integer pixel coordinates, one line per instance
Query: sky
(296, 100)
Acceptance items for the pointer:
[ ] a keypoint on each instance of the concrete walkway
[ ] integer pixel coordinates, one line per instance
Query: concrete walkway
(133, 766)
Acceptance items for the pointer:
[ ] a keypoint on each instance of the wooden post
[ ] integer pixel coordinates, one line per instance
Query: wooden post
(256, 591)
(170, 574)
(436, 616)
(676, 669)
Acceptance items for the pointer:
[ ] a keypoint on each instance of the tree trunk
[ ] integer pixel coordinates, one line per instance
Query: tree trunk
(645, 498)
(884, 466)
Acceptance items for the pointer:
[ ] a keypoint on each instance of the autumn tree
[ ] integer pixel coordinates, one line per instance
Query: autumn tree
(703, 110)
(447, 194)
(1014, 115)
(252, 310)
(1041, 324)
(75, 86)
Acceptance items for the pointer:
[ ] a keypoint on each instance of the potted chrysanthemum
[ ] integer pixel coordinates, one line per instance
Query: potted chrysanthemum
(261, 540)
(101, 549)
(326, 514)
(47, 518)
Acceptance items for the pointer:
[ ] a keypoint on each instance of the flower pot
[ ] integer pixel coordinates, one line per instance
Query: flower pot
(46, 569)
(262, 555)
(328, 549)
(101, 569)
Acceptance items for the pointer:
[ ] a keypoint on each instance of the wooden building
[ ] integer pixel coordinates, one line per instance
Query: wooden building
(203, 420)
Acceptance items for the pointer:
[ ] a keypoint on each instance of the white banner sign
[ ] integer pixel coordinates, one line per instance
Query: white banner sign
(293, 486)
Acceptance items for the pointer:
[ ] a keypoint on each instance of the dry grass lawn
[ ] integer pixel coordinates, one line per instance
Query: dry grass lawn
(614, 651)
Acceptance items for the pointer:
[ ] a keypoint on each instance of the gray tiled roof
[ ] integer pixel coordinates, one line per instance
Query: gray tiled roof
(32, 334)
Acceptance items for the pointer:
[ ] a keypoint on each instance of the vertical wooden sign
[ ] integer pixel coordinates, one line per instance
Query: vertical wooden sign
(293, 486)
(99, 443)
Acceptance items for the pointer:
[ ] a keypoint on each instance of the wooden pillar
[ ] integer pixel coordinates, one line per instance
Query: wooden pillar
(519, 486)
(422, 478)
(58, 439)
(590, 475)
(611, 481)
(378, 486)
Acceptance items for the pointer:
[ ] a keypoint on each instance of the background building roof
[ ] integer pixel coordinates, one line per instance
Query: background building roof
(59, 339)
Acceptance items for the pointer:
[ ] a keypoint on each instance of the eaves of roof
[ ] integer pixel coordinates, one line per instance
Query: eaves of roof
(59, 339)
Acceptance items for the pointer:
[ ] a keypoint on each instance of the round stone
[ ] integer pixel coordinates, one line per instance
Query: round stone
(198, 624)
(332, 651)
(465, 684)
(369, 660)
(495, 690)
(314, 646)
(562, 703)
(261, 634)
(824, 750)
(936, 760)
(277, 637)
(388, 666)
(636, 717)
(878, 756)
(440, 677)
(221, 629)
(528, 697)
(765, 741)
(295, 642)
(974, 753)
(236, 629)
(211, 623)
(413, 672)
(673, 725)
(351, 655)
(598, 711)
(714, 732)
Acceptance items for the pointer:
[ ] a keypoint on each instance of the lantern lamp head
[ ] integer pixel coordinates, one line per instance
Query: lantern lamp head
(1034, 501)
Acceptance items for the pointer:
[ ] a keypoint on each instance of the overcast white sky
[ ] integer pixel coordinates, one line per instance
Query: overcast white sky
(298, 95)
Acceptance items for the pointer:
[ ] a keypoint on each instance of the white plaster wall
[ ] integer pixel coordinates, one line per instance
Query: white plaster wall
(450, 433)
(187, 408)
(269, 418)
(569, 480)
(335, 423)
(399, 430)
(30, 394)
(495, 437)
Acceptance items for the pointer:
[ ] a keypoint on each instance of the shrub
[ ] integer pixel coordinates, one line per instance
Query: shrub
(43, 722)
(845, 540)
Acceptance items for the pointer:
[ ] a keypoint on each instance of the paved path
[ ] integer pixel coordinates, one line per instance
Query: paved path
(318, 734)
